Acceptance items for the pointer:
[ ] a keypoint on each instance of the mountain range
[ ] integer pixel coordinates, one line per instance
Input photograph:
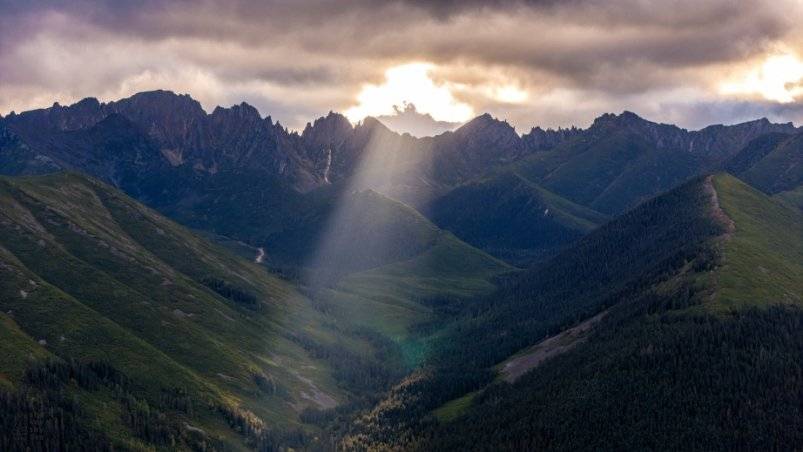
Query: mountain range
(176, 279)
(164, 150)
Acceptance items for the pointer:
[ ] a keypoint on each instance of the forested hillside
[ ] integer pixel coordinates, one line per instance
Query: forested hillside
(512, 218)
(705, 338)
(125, 330)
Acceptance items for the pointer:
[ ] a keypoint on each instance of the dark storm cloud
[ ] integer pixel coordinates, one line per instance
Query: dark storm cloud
(303, 57)
(445, 9)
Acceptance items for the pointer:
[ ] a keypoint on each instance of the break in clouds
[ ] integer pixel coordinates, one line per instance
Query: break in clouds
(545, 63)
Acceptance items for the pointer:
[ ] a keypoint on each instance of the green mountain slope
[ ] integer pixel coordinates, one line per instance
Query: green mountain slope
(512, 218)
(792, 197)
(315, 230)
(92, 275)
(763, 258)
(156, 320)
(773, 163)
(696, 340)
(610, 172)
(362, 230)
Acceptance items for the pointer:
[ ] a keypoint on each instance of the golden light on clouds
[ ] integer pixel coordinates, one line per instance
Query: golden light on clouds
(776, 79)
(410, 83)
(508, 94)
(687, 62)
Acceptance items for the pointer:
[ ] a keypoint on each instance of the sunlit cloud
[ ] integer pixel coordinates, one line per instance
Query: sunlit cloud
(509, 94)
(453, 60)
(776, 79)
(410, 83)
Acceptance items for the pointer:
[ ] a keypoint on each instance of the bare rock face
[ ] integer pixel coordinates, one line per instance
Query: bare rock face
(185, 136)
(539, 139)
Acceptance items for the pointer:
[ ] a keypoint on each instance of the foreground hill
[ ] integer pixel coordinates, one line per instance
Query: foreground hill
(132, 332)
(179, 341)
(647, 333)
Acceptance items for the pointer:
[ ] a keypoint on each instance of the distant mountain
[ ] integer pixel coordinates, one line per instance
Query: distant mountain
(773, 163)
(238, 139)
(512, 218)
(184, 135)
(792, 197)
(686, 310)
(622, 160)
(539, 139)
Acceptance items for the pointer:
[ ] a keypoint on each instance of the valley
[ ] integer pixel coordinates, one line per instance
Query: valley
(233, 338)
(176, 279)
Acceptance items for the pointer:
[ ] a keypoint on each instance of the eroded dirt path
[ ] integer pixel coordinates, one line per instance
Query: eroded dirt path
(550, 347)
(320, 398)
(716, 210)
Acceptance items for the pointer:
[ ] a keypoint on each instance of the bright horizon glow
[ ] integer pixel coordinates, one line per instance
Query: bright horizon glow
(409, 83)
(777, 79)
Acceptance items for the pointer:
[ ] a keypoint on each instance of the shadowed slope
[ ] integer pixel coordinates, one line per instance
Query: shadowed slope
(93, 276)
(698, 341)
(512, 218)
(773, 163)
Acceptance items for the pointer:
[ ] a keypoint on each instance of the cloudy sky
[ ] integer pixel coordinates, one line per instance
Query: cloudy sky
(549, 62)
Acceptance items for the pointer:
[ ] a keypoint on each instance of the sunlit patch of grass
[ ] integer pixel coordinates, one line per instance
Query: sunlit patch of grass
(394, 298)
(453, 409)
(763, 259)
(18, 351)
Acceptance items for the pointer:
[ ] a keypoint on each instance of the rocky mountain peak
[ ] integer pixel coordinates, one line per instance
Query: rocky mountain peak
(540, 140)
(482, 122)
(327, 131)
(243, 113)
(626, 119)
(485, 130)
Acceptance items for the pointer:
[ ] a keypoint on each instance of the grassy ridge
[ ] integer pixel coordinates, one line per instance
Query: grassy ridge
(18, 350)
(763, 259)
(395, 298)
